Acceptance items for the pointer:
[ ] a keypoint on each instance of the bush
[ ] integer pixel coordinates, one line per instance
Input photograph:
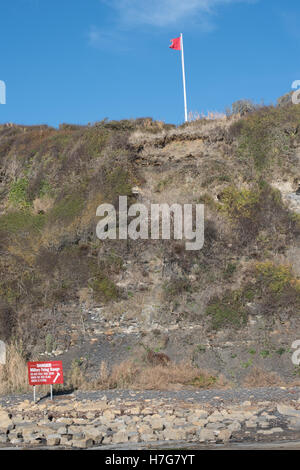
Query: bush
(117, 182)
(176, 287)
(258, 209)
(239, 204)
(18, 194)
(21, 222)
(7, 321)
(104, 289)
(13, 375)
(95, 141)
(273, 277)
(228, 311)
(278, 289)
(267, 135)
(130, 374)
(68, 208)
(243, 107)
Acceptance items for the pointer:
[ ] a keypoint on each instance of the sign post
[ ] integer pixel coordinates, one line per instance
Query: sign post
(45, 373)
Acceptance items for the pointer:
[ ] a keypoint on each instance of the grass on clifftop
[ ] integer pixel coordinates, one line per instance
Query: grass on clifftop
(266, 136)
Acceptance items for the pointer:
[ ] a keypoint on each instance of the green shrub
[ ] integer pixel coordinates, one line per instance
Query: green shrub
(243, 107)
(227, 311)
(274, 277)
(176, 287)
(18, 194)
(95, 141)
(45, 189)
(104, 289)
(50, 343)
(276, 288)
(240, 203)
(258, 215)
(266, 135)
(67, 208)
(230, 270)
(118, 182)
(21, 222)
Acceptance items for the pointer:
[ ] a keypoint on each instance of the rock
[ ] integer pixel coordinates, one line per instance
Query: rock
(206, 435)
(66, 440)
(144, 428)
(3, 438)
(24, 405)
(157, 425)
(28, 429)
(201, 414)
(134, 437)
(224, 435)
(250, 424)
(6, 422)
(16, 441)
(215, 417)
(169, 421)
(107, 440)
(61, 430)
(134, 411)
(63, 420)
(215, 425)
(288, 410)
(294, 423)
(81, 421)
(240, 416)
(174, 434)
(93, 433)
(53, 440)
(179, 422)
(108, 416)
(75, 429)
(2, 353)
(270, 431)
(83, 443)
(264, 424)
(148, 437)
(14, 434)
(33, 441)
(78, 436)
(235, 426)
(120, 437)
(190, 430)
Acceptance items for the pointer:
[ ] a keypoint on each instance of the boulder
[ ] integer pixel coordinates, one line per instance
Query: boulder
(53, 440)
(6, 422)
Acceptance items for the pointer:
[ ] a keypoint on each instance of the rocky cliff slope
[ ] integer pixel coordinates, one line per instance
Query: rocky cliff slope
(231, 308)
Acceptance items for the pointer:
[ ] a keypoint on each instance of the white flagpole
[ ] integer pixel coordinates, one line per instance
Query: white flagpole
(183, 77)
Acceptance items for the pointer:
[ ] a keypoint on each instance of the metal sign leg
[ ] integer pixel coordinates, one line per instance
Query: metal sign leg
(34, 393)
(51, 392)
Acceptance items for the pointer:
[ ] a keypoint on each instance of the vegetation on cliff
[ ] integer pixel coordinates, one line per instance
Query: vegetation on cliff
(52, 180)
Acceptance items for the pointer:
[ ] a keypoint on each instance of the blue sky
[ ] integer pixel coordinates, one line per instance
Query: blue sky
(80, 61)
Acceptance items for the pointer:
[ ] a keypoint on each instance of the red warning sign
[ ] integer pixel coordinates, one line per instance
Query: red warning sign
(45, 373)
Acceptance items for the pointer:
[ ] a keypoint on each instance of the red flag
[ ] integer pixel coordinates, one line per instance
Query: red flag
(175, 44)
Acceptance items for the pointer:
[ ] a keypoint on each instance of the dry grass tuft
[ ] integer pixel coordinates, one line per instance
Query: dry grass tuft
(13, 375)
(76, 378)
(130, 374)
(210, 115)
(258, 377)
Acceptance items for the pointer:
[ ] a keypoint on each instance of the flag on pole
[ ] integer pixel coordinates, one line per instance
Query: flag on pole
(175, 44)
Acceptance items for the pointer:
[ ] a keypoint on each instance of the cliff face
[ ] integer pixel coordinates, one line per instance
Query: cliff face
(230, 306)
